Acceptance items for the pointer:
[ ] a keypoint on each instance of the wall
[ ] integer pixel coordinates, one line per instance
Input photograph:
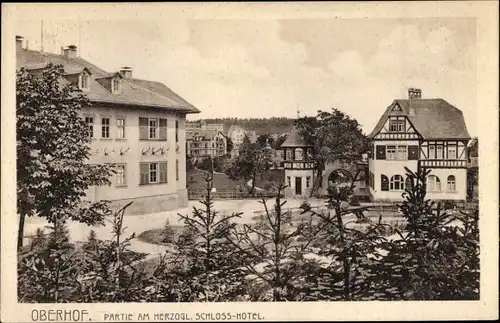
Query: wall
(168, 195)
(290, 191)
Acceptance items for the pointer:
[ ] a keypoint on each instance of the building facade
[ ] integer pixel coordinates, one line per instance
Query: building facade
(415, 132)
(237, 134)
(136, 124)
(205, 143)
(297, 165)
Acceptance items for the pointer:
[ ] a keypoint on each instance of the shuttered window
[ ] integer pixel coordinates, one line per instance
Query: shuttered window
(163, 129)
(413, 152)
(143, 128)
(144, 173)
(163, 172)
(177, 170)
(380, 152)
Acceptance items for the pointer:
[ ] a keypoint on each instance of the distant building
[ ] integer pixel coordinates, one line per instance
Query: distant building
(429, 133)
(237, 134)
(136, 124)
(205, 143)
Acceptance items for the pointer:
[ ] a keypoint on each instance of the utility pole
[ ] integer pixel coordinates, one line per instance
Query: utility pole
(41, 36)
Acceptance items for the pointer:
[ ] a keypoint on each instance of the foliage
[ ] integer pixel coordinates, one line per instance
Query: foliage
(335, 136)
(52, 152)
(229, 145)
(473, 147)
(275, 253)
(252, 162)
(265, 139)
(438, 257)
(168, 232)
(207, 267)
(351, 250)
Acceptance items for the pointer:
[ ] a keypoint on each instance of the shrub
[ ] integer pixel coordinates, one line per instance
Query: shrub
(168, 233)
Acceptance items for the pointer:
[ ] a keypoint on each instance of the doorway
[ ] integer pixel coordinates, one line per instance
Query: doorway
(298, 185)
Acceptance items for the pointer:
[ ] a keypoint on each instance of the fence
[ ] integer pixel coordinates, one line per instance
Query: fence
(228, 195)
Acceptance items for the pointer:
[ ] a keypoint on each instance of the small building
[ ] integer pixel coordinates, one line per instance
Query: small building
(237, 135)
(298, 165)
(416, 132)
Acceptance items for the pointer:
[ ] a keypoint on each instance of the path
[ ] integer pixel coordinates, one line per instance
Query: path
(141, 223)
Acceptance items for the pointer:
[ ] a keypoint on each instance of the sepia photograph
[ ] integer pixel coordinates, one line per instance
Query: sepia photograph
(215, 159)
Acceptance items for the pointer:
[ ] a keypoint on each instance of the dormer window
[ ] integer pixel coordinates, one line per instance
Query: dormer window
(397, 125)
(84, 81)
(116, 85)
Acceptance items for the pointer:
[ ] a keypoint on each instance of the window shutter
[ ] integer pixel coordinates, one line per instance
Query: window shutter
(143, 128)
(380, 152)
(163, 172)
(384, 183)
(144, 173)
(163, 129)
(413, 152)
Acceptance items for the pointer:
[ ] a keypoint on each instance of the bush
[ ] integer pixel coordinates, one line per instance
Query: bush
(168, 233)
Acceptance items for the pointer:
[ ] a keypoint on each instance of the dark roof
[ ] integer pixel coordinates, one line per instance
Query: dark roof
(294, 139)
(134, 92)
(205, 134)
(432, 118)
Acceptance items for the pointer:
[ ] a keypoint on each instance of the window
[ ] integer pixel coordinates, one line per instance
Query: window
(380, 152)
(402, 154)
(177, 170)
(439, 152)
(176, 130)
(289, 181)
(153, 173)
(384, 183)
(433, 183)
(397, 183)
(153, 126)
(120, 128)
(105, 127)
(84, 81)
(120, 175)
(391, 152)
(298, 154)
(163, 129)
(451, 183)
(115, 85)
(432, 151)
(288, 154)
(408, 183)
(308, 181)
(397, 125)
(413, 152)
(90, 126)
(452, 152)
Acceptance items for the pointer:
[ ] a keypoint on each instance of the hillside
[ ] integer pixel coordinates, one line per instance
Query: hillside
(259, 125)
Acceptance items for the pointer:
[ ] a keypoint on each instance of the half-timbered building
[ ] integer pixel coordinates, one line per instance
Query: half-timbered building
(430, 133)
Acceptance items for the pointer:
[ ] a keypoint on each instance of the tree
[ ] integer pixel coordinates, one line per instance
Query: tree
(209, 265)
(473, 147)
(438, 256)
(52, 150)
(229, 145)
(251, 163)
(265, 139)
(334, 136)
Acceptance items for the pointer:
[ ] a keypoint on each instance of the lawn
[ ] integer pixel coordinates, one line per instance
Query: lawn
(221, 182)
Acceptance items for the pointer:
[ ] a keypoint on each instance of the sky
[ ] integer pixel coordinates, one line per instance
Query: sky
(274, 67)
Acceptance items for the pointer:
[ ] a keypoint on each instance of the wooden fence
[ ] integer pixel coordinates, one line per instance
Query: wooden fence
(228, 195)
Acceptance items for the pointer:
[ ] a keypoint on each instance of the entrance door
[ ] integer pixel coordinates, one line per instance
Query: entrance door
(298, 185)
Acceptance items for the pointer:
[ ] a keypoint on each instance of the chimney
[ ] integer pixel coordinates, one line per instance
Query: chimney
(126, 72)
(414, 94)
(19, 43)
(70, 51)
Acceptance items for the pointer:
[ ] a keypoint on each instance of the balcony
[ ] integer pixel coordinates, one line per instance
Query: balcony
(443, 163)
(297, 164)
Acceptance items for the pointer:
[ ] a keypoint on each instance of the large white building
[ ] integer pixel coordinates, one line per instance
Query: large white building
(136, 124)
(430, 133)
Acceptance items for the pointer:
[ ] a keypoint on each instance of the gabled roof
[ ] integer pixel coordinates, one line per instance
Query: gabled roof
(294, 139)
(134, 92)
(432, 118)
(208, 134)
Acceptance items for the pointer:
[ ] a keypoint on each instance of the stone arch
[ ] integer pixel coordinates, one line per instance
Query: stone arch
(339, 177)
